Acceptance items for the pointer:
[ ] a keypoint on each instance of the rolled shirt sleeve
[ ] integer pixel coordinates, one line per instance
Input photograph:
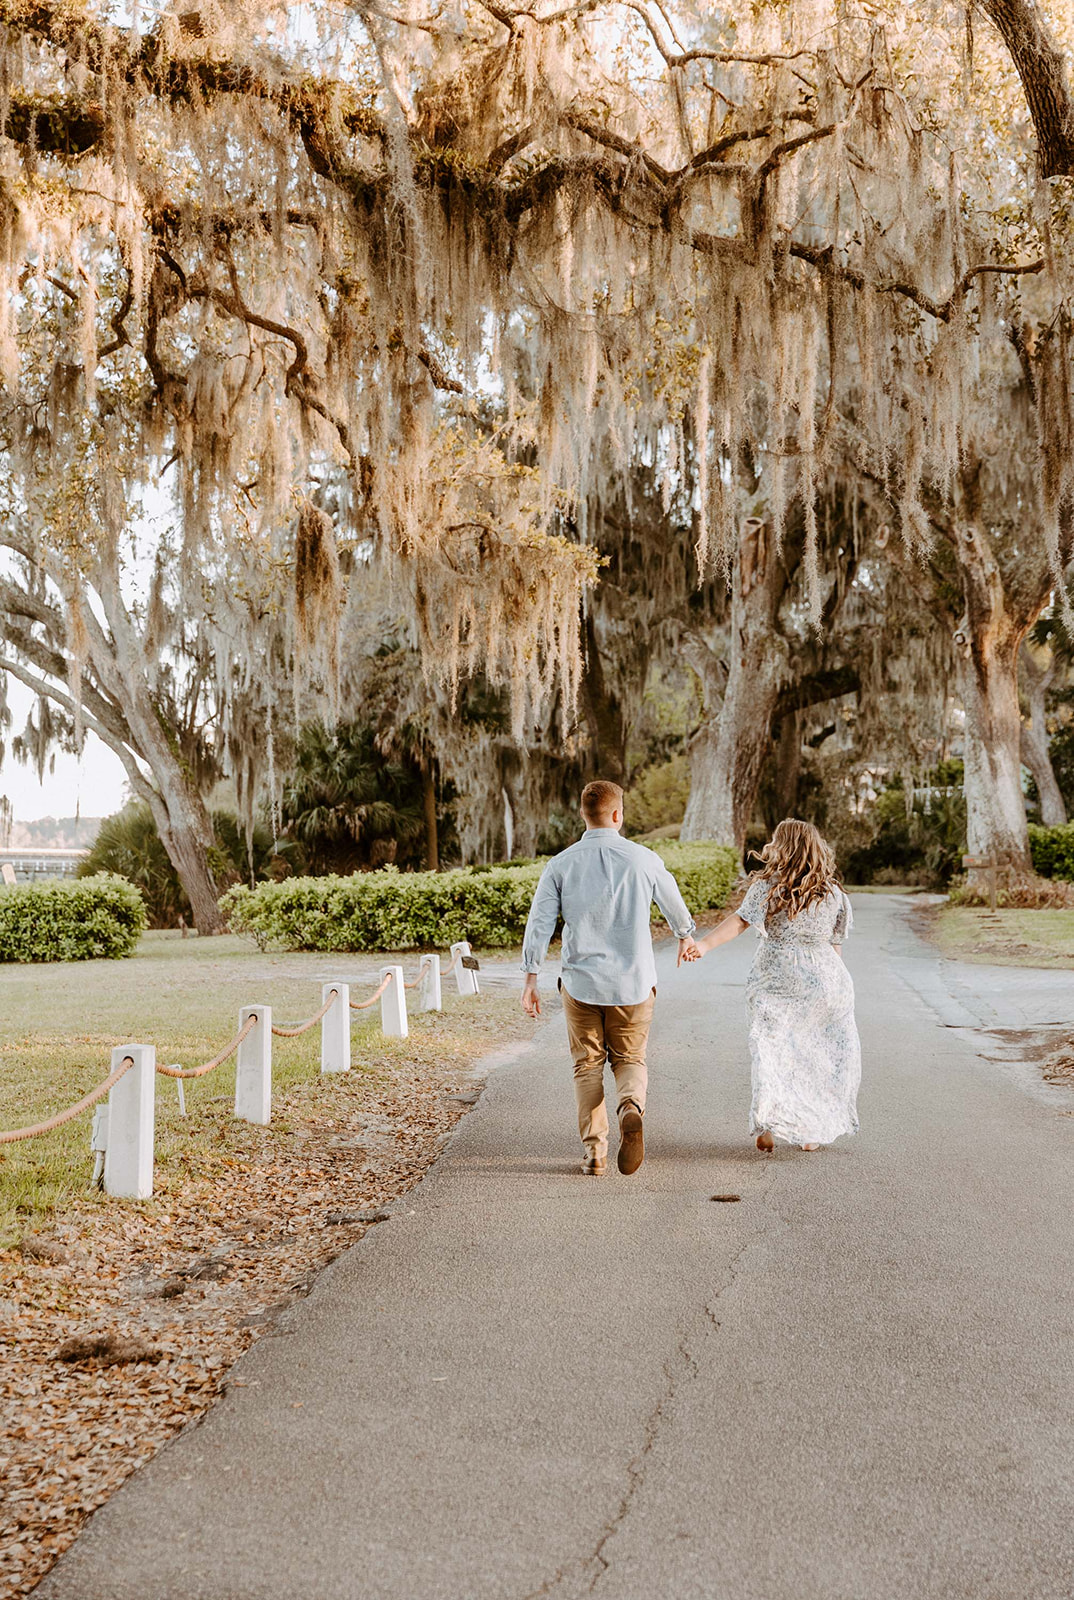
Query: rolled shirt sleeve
(541, 922)
(669, 898)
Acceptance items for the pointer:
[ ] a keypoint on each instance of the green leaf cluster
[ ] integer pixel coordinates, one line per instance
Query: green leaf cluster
(1053, 850)
(704, 872)
(102, 916)
(390, 910)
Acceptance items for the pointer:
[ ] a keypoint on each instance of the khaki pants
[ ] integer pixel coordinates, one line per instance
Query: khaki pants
(597, 1034)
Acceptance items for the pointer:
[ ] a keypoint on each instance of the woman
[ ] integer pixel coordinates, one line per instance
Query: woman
(803, 1038)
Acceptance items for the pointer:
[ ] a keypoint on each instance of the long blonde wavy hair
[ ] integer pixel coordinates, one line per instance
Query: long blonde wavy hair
(798, 865)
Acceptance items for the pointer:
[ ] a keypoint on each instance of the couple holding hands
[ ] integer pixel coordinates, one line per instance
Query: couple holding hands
(804, 1048)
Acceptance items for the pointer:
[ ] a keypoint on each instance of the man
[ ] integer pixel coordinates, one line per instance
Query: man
(603, 887)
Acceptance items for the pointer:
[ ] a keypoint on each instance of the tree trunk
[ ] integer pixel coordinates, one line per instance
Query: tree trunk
(603, 712)
(183, 822)
(186, 831)
(432, 838)
(995, 807)
(727, 758)
(780, 795)
(1035, 752)
(989, 641)
(187, 835)
(1043, 71)
(728, 753)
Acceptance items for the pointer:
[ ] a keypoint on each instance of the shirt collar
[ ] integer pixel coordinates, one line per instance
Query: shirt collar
(601, 834)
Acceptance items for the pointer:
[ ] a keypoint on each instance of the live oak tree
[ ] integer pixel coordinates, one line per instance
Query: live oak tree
(259, 283)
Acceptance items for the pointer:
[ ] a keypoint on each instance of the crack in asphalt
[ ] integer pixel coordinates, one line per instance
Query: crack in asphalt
(684, 1365)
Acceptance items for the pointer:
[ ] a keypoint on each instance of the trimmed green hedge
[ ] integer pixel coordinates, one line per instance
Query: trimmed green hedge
(70, 921)
(391, 910)
(704, 872)
(1053, 850)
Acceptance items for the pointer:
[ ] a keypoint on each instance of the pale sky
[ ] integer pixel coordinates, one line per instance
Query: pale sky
(94, 785)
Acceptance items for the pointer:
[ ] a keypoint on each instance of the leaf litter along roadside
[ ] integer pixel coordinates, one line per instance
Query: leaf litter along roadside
(193, 1275)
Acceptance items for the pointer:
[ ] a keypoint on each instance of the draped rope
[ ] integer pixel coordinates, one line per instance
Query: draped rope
(228, 1050)
(72, 1111)
(292, 1030)
(363, 1005)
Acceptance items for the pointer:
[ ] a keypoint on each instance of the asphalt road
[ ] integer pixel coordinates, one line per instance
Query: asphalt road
(855, 1383)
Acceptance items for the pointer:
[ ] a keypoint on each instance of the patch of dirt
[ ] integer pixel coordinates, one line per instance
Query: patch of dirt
(120, 1325)
(1059, 1066)
(1051, 1049)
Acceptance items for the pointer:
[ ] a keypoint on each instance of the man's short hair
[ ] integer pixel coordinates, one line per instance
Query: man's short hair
(599, 798)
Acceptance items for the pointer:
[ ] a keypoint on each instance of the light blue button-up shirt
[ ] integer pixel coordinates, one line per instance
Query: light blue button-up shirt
(603, 887)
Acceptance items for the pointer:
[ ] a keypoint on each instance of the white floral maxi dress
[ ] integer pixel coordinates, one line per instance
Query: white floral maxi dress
(804, 1043)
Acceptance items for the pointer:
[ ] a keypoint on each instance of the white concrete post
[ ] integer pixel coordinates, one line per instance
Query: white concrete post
(465, 977)
(430, 997)
(253, 1069)
(336, 1029)
(393, 1005)
(128, 1161)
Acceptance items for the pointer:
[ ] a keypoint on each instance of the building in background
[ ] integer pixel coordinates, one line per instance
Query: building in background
(30, 863)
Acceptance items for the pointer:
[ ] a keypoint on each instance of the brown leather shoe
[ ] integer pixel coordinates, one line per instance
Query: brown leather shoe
(595, 1166)
(631, 1139)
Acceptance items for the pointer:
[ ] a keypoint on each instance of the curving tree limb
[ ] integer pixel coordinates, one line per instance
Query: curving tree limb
(1042, 68)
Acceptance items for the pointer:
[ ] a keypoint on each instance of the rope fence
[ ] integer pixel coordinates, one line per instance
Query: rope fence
(363, 1005)
(69, 1115)
(291, 1030)
(229, 1050)
(123, 1130)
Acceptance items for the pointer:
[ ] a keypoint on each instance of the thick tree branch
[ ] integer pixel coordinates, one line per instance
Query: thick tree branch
(1043, 71)
(54, 664)
(678, 57)
(817, 688)
(146, 65)
(442, 379)
(614, 141)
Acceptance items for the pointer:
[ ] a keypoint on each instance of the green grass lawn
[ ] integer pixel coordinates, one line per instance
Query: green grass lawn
(59, 1022)
(1007, 937)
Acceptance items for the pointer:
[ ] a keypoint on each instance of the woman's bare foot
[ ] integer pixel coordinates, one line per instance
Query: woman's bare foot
(811, 1147)
(766, 1142)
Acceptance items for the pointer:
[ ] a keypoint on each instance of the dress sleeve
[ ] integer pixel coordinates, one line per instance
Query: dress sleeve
(844, 919)
(752, 908)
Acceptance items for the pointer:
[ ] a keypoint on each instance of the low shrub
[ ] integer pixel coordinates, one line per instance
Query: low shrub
(704, 872)
(386, 910)
(390, 910)
(1053, 850)
(77, 921)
